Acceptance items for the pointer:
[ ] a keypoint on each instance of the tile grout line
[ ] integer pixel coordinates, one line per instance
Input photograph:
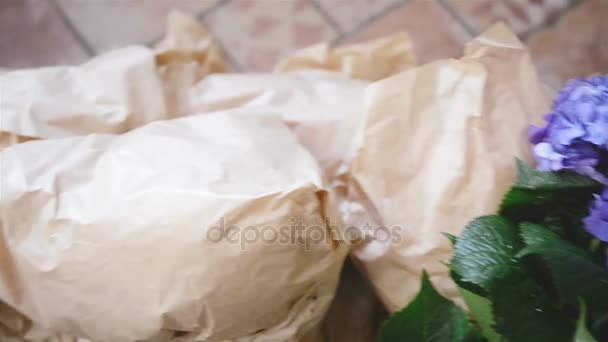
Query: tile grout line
(84, 44)
(204, 13)
(367, 22)
(551, 19)
(457, 17)
(202, 20)
(328, 18)
(233, 61)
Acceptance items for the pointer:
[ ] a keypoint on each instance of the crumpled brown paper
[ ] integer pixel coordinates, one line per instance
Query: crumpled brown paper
(112, 93)
(373, 60)
(129, 87)
(319, 93)
(143, 236)
(437, 149)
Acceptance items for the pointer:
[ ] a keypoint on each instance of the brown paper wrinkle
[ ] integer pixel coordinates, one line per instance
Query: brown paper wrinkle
(187, 41)
(372, 60)
(184, 56)
(108, 94)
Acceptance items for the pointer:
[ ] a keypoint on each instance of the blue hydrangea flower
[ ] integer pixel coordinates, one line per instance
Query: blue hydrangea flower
(597, 221)
(576, 134)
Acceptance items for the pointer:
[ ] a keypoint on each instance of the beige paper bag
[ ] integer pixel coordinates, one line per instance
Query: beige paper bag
(179, 230)
(438, 148)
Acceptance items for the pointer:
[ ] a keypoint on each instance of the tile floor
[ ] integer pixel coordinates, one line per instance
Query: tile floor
(565, 36)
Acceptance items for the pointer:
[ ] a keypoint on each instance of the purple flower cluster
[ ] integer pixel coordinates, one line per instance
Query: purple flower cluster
(576, 135)
(576, 138)
(597, 222)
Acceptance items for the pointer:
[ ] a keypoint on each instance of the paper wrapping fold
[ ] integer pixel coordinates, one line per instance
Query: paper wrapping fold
(185, 56)
(112, 237)
(371, 60)
(438, 148)
(8, 139)
(187, 41)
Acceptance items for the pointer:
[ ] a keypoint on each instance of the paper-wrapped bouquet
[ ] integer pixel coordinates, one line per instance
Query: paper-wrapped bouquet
(149, 195)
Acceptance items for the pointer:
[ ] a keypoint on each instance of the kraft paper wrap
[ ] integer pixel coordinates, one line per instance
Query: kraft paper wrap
(437, 149)
(75, 188)
(324, 109)
(110, 237)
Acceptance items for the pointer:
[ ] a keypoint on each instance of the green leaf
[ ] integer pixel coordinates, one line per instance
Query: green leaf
(486, 251)
(531, 179)
(474, 288)
(451, 237)
(540, 240)
(574, 272)
(582, 334)
(599, 326)
(481, 310)
(523, 313)
(557, 200)
(428, 318)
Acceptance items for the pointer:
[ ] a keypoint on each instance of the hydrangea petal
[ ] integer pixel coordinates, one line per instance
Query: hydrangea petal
(597, 133)
(548, 159)
(597, 227)
(576, 130)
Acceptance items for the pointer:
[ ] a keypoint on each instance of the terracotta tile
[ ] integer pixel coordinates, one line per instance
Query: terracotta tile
(576, 46)
(32, 34)
(349, 14)
(435, 33)
(114, 23)
(258, 33)
(520, 15)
